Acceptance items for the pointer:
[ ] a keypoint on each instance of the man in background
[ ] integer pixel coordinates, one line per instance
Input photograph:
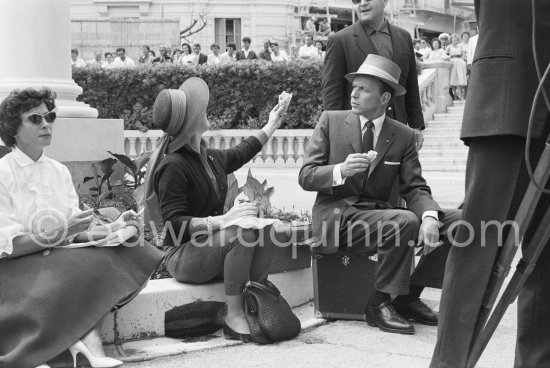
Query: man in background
(246, 53)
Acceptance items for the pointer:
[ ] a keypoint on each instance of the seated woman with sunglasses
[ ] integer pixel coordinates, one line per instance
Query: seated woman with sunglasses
(54, 298)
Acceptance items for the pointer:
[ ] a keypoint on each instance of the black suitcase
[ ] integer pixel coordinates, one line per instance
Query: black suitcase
(342, 284)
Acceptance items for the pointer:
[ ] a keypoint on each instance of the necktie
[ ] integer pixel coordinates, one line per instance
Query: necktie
(368, 137)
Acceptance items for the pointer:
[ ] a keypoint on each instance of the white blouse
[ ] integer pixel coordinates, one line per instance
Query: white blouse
(33, 195)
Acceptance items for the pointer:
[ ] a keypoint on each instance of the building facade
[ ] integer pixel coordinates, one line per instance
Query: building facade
(108, 24)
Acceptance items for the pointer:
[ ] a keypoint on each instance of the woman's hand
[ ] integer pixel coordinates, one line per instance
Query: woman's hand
(238, 211)
(78, 223)
(277, 114)
(127, 218)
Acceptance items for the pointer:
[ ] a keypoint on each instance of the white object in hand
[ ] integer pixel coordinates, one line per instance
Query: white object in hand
(371, 155)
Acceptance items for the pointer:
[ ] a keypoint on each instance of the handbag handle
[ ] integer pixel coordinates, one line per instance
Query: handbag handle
(269, 287)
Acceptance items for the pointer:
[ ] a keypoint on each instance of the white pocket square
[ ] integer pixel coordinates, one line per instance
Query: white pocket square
(391, 163)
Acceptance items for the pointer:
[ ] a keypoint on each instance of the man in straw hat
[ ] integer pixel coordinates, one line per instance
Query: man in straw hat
(352, 161)
(372, 34)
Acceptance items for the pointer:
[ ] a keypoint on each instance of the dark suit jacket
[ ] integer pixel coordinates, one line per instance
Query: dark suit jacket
(337, 135)
(504, 65)
(202, 58)
(348, 49)
(251, 55)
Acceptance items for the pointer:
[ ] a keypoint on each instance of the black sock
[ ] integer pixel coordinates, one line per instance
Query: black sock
(378, 298)
(414, 293)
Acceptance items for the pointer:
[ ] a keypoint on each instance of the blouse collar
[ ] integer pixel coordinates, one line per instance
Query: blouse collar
(22, 159)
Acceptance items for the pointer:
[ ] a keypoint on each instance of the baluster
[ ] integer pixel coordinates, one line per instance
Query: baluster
(143, 144)
(227, 142)
(279, 157)
(154, 141)
(217, 141)
(132, 146)
(301, 150)
(269, 160)
(290, 154)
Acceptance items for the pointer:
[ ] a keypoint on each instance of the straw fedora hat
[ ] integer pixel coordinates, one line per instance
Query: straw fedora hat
(383, 69)
(178, 112)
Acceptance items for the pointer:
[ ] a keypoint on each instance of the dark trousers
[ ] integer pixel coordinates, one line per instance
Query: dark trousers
(235, 252)
(391, 234)
(496, 180)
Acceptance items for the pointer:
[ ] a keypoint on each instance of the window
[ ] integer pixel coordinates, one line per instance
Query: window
(228, 30)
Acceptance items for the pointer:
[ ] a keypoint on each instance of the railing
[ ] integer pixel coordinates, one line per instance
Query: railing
(426, 87)
(287, 147)
(284, 148)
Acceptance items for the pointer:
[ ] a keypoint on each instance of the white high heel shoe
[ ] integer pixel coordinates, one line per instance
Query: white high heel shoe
(95, 362)
(43, 366)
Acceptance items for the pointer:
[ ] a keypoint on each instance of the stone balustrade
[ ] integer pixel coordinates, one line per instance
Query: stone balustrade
(286, 147)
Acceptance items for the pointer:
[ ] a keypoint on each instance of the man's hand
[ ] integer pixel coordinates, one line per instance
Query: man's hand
(419, 137)
(356, 163)
(429, 234)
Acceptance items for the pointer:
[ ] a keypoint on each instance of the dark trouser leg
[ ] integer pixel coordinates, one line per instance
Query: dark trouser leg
(495, 183)
(431, 268)
(387, 233)
(230, 251)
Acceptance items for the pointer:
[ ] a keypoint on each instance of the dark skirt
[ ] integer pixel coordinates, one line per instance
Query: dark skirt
(48, 302)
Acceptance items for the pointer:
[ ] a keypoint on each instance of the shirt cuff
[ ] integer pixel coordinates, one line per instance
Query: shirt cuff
(7, 236)
(430, 214)
(261, 136)
(337, 179)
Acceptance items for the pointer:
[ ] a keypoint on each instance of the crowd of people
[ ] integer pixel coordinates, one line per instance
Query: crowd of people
(192, 54)
(456, 49)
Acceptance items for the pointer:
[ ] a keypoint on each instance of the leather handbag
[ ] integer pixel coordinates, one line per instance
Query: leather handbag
(268, 314)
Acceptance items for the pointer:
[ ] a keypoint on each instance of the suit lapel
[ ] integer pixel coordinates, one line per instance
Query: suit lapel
(353, 131)
(362, 40)
(385, 140)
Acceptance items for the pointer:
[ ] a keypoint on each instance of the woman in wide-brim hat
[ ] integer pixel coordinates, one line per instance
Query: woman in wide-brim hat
(189, 182)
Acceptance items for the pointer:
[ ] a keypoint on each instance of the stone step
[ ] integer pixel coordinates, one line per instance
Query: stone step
(459, 103)
(444, 123)
(455, 109)
(444, 168)
(445, 116)
(144, 316)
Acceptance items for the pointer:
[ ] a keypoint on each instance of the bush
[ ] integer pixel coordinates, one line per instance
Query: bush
(241, 94)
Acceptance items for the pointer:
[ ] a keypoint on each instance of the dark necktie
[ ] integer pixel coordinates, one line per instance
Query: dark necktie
(368, 137)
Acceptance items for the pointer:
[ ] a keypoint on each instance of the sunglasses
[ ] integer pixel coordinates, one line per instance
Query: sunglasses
(50, 117)
(355, 2)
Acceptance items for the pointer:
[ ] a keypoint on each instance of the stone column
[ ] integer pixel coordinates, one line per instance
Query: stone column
(36, 43)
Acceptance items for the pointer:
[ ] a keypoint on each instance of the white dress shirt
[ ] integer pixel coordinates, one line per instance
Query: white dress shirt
(32, 195)
(378, 123)
(471, 50)
(308, 52)
(127, 63)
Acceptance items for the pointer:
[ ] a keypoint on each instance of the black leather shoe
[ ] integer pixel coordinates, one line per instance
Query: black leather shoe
(417, 311)
(231, 334)
(386, 318)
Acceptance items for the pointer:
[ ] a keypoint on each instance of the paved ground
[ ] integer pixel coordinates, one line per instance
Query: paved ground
(347, 344)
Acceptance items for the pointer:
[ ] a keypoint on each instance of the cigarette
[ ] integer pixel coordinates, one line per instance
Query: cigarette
(141, 211)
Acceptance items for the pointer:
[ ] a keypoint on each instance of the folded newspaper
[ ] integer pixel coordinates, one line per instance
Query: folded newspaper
(112, 240)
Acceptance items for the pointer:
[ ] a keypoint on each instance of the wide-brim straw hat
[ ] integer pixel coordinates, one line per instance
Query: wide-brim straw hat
(383, 69)
(179, 112)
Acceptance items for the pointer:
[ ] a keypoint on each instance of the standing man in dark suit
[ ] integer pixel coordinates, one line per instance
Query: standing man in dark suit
(348, 48)
(201, 58)
(503, 82)
(246, 53)
(352, 161)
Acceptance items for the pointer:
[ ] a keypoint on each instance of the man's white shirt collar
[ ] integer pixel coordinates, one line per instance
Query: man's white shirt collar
(378, 122)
